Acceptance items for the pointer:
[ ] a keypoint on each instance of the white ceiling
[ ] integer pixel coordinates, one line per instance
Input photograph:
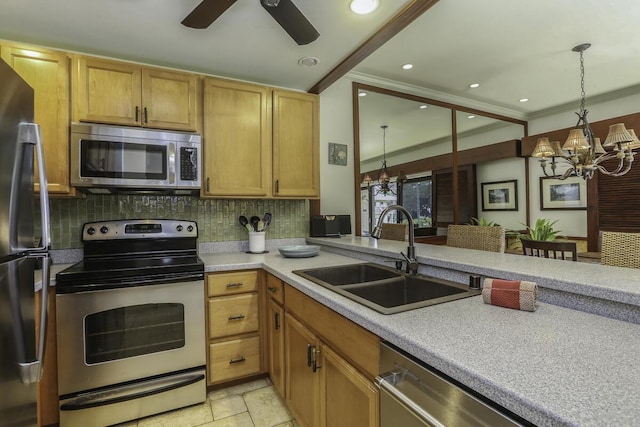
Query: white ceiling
(514, 49)
(245, 43)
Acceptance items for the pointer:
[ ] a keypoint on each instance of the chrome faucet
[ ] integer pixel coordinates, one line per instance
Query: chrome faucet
(410, 257)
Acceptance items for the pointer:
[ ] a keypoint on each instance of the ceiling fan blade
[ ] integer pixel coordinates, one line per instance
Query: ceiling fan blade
(206, 12)
(292, 21)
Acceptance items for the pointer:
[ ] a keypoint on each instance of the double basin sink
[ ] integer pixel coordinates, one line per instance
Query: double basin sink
(384, 289)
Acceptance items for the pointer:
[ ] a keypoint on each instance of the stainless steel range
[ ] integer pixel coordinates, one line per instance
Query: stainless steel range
(130, 323)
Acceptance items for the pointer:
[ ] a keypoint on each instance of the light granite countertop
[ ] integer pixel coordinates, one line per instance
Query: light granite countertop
(554, 367)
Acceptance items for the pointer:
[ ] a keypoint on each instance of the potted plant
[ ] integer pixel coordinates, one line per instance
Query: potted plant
(542, 230)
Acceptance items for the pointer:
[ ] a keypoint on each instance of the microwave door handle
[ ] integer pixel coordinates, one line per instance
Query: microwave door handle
(172, 163)
(29, 133)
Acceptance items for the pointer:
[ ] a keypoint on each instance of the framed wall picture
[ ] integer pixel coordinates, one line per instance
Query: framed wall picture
(500, 195)
(570, 193)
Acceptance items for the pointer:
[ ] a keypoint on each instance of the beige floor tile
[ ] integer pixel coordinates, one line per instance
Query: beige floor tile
(266, 407)
(246, 387)
(289, 424)
(191, 416)
(218, 394)
(240, 420)
(223, 408)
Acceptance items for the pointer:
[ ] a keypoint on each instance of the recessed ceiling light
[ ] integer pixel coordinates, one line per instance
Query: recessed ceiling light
(524, 99)
(407, 66)
(361, 93)
(363, 7)
(474, 85)
(308, 61)
(423, 106)
(471, 117)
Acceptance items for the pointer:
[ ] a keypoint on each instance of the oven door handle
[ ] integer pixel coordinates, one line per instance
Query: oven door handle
(130, 392)
(387, 383)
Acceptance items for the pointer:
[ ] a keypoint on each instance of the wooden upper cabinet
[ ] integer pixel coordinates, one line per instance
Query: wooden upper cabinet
(127, 94)
(296, 164)
(237, 142)
(47, 72)
(169, 99)
(260, 142)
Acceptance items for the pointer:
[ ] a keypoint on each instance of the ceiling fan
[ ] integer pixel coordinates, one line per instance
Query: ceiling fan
(283, 11)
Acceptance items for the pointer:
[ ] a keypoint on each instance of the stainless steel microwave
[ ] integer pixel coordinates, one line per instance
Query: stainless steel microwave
(107, 159)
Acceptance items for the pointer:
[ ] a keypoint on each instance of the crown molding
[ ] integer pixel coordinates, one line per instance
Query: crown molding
(434, 94)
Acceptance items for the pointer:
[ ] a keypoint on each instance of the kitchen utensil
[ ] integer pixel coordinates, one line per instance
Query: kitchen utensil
(260, 225)
(243, 220)
(254, 222)
(266, 219)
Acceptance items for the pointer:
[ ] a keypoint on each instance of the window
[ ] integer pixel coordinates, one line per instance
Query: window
(416, 197)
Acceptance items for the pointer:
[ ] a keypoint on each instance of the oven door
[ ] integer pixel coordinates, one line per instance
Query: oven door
(113, 336)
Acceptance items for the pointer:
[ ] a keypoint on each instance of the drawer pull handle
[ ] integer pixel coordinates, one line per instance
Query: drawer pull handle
(238, 360)
(236, 317)
(235, 285)
(273, 289)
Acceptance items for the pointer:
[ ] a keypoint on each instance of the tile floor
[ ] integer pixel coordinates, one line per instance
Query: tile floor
(253, 404)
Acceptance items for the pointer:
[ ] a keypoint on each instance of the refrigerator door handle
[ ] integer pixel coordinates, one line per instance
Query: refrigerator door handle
(29, 133)
(31, 372)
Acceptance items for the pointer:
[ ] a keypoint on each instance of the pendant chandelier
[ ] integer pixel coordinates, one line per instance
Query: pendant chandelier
(384, 178)
(583, 154)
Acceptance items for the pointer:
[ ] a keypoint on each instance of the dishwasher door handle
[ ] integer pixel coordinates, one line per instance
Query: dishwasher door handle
(386, 383)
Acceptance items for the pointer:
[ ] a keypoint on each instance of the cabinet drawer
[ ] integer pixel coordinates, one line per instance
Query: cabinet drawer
(232, 283)
(275, 289)
(232, 315)
(234, 359)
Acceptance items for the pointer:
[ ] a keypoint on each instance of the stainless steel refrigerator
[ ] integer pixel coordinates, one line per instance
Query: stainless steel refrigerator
(21, 352)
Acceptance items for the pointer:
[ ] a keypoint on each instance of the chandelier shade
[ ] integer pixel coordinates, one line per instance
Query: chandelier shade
(582, 154)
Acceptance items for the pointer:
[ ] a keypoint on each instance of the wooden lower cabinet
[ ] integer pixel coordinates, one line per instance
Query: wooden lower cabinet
(347, 398)
(234, 330)
(48, 385)
(275, 339)
(303, 385)
(335, 393)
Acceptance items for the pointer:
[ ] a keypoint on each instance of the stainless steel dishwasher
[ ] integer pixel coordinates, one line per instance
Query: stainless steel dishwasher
(412, 395)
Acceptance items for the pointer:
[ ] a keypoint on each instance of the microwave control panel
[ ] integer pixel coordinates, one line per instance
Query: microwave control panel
(188, 163)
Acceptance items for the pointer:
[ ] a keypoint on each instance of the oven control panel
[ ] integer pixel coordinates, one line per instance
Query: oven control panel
(139, 229)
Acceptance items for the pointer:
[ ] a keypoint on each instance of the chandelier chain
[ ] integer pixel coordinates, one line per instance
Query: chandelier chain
(582, 92)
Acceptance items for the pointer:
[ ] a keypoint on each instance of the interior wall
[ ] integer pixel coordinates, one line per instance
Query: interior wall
(336, 126)
(504, 170)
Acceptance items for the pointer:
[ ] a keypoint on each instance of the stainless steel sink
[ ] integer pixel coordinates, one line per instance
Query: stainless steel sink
(384, 289)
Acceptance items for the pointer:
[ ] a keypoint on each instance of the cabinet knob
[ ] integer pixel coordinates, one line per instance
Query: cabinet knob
(273, 289)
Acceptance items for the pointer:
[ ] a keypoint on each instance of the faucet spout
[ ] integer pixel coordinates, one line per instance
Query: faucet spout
(412, 264)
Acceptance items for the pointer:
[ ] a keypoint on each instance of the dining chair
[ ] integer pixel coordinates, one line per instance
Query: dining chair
(391, 231)
(484, 238)
(564, 250)
(620, 249)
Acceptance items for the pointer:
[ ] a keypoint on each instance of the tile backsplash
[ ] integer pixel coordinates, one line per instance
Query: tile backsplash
(217, 219)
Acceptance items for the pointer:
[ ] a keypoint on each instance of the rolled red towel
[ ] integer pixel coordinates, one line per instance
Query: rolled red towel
(517, 294)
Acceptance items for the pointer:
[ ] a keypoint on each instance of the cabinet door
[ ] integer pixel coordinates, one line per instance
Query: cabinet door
(106, 92)
(169, 99)
(275, 332)
(296, 133)
(237, 153)
(47, 72)
(302, 384)
(347, 398)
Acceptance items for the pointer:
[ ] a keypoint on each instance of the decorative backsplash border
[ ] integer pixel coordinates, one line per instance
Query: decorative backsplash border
(217, 219)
